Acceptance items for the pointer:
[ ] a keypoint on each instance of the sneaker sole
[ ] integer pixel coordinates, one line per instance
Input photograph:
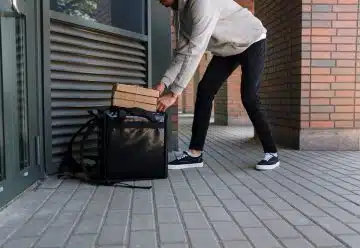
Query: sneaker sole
(185, 166)
(267, 167)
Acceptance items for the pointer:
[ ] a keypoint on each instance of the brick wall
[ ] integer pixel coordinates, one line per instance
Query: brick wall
(280, 92)
(311, 82)
(330, 30)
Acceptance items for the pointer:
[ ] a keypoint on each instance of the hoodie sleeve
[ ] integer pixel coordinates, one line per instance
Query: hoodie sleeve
(191, 47)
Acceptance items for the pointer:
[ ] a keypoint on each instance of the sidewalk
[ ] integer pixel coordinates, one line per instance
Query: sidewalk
(312, 200)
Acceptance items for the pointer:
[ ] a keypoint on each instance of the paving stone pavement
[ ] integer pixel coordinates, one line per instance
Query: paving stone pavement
(312, 200)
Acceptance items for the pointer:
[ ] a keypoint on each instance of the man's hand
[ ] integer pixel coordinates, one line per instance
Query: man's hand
(166, 101)
(160, 87)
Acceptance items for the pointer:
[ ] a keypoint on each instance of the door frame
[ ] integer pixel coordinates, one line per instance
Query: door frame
(16, 180)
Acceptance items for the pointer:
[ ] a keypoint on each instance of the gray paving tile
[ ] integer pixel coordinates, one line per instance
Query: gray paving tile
(54, 237)
(217, 214)
(175, 246)
(117, 217)
(296, 218)
(195, 221)
(264, 212)
(209, 201)
(235, 205)
(334, 226)
(189, 206)
(282, 229)
(81, 241)
(246, 219)
(297, 243)
(143, 239)
(168, 215)
(351, 240)
(237, 244)
(113, 235)
(88, 224)
(203, 238)
(142, 222)
(24, 242)
(318, 236)
(172, 233)
(228, 231)
(261, 238)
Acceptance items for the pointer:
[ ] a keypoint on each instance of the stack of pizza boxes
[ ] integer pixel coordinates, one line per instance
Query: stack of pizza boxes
(131, 96)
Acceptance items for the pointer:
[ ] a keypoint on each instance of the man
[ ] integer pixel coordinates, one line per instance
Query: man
(235, 37)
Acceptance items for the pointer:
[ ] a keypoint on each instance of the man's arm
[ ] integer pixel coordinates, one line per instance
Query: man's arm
(191, 49)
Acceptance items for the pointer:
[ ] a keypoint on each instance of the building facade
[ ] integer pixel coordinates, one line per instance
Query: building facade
(59, 59)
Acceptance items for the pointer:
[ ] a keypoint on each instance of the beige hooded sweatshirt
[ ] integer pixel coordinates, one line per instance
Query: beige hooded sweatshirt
(220, 26)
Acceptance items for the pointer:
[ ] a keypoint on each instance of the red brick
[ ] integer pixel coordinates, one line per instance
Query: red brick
(306, 7)
(346, 48)
(321, 39)
(305, 109)
(322, 93)
(344, 93)
(323, 47)
(305, 93)
(345, 8)
(322, 109)
(319, 101)
(324, 1)
(344, 40)
(305, 124)
(344, 124)
(357, 109)
(322, 124)
(342, 101)
(306, 31)
(343, 71)
(347, 32)
(343, 55)
(341, 116)
(342, 86)
(323, 16)
(305, 62)
(320, 117)
(322, 78)
(323, 31)
(321, 55)
(345, 79)
(348, 1)
(305, 70)
(304, 117)
(347, 16)
(320, 86)
(305, 39)
(345, 63)
(320, 71)
(344, 24)
(344, 109)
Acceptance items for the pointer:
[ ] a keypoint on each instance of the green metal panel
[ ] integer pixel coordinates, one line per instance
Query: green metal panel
(19, 98)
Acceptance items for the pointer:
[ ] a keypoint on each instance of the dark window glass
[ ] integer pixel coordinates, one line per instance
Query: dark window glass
(125, 14)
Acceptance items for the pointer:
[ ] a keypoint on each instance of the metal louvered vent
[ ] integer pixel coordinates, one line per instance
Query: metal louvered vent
(84, 66)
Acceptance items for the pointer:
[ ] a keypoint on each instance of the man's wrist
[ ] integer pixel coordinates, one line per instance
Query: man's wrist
(175, 95)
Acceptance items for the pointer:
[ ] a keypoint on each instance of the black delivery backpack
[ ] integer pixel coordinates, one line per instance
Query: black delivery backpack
(119, 144)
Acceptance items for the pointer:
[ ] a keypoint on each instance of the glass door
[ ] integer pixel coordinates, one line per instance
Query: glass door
(19, 125)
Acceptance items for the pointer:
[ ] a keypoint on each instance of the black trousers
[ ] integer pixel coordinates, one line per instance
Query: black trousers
(219, 69)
